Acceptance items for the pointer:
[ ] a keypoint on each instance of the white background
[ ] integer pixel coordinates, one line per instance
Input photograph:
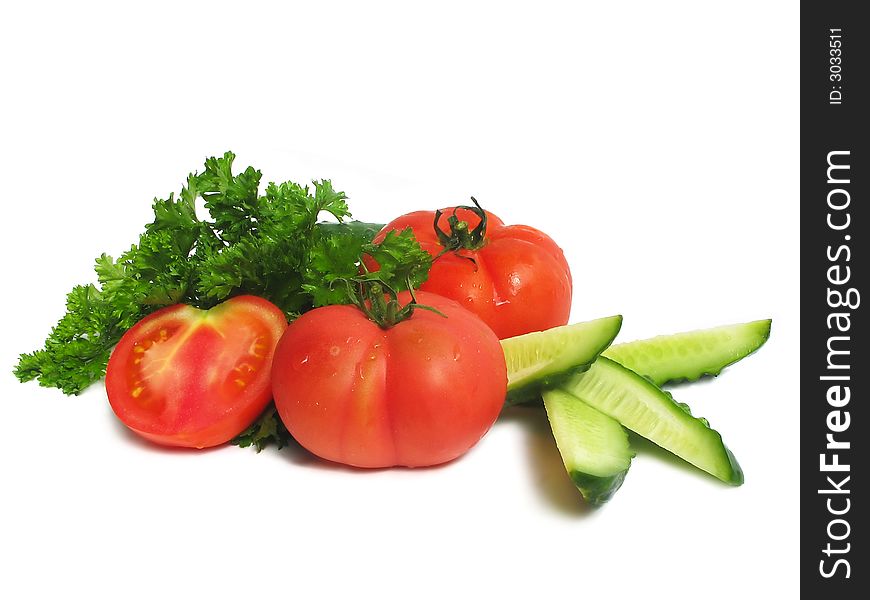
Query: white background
(657, 142)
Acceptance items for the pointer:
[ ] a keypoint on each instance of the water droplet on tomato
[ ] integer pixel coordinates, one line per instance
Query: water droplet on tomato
(457, 353)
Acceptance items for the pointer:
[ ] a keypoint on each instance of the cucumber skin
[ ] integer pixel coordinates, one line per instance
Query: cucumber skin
(724, 467)
(658, 358)
(597, 490)
(532, 391)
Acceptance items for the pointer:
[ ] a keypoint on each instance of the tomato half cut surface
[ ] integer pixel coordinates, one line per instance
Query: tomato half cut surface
(196, 378)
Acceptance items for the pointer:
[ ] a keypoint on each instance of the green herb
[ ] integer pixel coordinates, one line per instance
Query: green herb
(267, 430)
(270, 245)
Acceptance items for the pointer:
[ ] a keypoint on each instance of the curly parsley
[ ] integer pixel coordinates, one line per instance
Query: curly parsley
(271, 245)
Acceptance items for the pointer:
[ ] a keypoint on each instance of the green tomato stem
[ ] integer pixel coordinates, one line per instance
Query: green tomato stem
(460, 237)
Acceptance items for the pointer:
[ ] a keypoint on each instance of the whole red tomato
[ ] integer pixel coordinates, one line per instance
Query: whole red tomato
(420, 392)
(514, 277)
(196, 378)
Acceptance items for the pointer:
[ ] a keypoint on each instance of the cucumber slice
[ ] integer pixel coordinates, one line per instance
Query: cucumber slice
(648, 411)
(541, 359)
(594, 447)
(690, 355)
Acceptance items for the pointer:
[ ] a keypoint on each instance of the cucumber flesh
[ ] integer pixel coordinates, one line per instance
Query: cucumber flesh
(594, 447)
(539, 360)
(642, 407)
(690, 355)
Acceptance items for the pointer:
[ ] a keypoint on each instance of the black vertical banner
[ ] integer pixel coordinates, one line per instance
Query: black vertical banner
(834, 369)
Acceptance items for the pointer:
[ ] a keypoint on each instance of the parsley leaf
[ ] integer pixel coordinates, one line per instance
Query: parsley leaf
(78, 348)
(267, 430)
(401, 259)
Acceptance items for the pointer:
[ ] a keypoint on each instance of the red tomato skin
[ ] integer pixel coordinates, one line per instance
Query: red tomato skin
(202, 376)
(420, 393)
(517, 282)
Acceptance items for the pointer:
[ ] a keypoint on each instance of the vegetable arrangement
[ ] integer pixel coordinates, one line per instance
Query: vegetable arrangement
(404, 341)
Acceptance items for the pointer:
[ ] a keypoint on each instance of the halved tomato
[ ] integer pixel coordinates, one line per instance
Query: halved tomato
(183, 376)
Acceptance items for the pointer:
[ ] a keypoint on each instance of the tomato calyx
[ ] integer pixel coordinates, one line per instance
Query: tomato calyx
(460, 236)
(380, 302)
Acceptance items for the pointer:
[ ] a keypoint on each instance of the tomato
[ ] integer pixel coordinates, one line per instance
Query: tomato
(514, 277)
(196, 378)
(421, 392)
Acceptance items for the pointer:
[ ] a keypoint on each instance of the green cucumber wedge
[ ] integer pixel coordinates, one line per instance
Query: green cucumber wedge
(690, 355)
(594, 447)
(539, 360)
(644, 408)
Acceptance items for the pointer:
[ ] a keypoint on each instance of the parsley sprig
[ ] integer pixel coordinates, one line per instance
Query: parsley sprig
(272, 245)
